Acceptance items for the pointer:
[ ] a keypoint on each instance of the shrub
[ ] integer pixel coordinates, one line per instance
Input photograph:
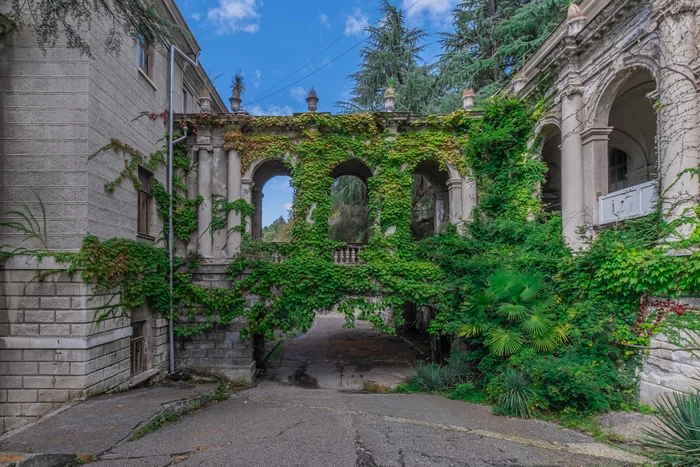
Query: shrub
(432, 378)
(462, 365)
(467, 392)
(517, 397)
(676, 439)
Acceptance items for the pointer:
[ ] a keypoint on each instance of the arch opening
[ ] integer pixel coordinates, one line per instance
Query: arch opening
(349, 221)
(429, 199)
(551, 156)
(632, 157)
(272, 198)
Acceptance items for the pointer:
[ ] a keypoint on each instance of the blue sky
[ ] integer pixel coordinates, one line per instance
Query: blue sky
(268, 40)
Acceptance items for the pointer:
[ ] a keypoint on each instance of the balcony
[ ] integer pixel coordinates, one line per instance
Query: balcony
(347, 255)
(630, 203)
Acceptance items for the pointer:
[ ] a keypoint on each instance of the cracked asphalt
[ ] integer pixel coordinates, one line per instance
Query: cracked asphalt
(307, 412)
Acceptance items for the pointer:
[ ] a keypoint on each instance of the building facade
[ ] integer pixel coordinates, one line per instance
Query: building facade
(58, 108)
(622, 132)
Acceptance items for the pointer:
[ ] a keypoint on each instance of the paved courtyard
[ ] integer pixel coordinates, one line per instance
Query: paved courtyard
(307, 411)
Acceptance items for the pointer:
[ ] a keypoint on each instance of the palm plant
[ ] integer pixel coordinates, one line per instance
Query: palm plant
(515, 310)
(237, 84)
(676, 438)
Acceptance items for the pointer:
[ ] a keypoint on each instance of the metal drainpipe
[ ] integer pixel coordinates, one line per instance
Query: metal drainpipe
(171, 143)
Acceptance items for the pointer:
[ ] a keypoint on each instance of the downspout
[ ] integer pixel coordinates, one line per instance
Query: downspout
(171, 143)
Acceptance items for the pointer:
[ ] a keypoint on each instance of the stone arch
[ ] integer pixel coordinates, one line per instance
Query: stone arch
(258, 174)
(355, 167)
(626, 111)
(615, 79)
(430, 206)
(349, 220)
(549, 148)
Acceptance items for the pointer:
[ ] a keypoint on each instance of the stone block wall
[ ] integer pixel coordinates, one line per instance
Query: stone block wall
(44, 138)
(665, 371)
(219, 350)
(51, 351)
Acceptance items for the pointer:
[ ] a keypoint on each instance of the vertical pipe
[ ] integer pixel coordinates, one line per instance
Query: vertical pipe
(170, 207)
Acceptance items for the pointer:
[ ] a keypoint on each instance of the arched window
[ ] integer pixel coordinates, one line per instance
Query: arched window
(349, 221)
(430, 199)
(551, 156)
(272, 199)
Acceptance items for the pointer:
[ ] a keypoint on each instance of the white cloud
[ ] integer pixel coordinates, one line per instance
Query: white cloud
(356, 23)
(196, 16)
(270, 110)
(258, 78)
(324, 20)
(298, 93)
(439, 12)
(288, 206)
(236, 15)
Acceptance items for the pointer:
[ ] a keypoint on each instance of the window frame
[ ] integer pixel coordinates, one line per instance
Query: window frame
(145, 55)
(617, 161)
(144, 204)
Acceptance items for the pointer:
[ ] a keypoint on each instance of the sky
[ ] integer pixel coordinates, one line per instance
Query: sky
(276, 43)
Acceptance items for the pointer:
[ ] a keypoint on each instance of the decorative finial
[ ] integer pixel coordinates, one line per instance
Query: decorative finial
(205, 103)
(390, 98)
(237, 88)
(312, 100)
(468, 99)
(519, 83)
(575, 19)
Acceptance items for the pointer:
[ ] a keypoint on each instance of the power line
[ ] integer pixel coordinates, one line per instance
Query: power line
(365, 20)
(320, 68)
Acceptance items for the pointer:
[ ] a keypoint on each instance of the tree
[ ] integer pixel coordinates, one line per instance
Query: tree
(492, 39)
(72, 18)
(392, 52)
(349, 220)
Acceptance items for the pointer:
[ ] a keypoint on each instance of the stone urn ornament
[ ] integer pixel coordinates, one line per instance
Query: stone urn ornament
(390, 97)
(312, 100)
(237, 88)
(468, 99)
(205, 103)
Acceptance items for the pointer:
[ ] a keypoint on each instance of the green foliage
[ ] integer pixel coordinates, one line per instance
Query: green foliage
(28, 225)
(467, 392)
(432, 378)
(516, 397)
(675, 441)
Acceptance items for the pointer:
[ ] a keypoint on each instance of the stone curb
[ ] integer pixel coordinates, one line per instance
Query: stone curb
(39, 460)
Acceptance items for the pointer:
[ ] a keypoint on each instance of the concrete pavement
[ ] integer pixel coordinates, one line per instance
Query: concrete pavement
(307, 412)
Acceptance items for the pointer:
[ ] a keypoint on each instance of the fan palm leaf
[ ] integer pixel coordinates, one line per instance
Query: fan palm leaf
(531, 287)
(472, 329)
(503, 342)
(505, 284)
(537, 325)
(512, 310)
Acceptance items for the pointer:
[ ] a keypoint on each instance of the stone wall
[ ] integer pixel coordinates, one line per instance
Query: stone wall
(666, 369)
(219, 350)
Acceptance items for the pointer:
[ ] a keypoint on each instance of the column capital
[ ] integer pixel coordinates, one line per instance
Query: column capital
(596, 134)
(208, 148)
(454, 183)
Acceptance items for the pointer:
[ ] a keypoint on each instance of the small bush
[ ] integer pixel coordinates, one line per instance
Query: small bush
(517, 397)
(467, 392)
(433, 378)
(676, 439)
(462, 365)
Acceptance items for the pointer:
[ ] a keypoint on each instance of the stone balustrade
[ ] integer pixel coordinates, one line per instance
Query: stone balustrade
(348, 254)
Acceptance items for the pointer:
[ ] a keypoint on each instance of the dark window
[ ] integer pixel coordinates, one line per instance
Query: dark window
(138, 348)
(144, 209)
(184, 101)
(145, 55)
(617, 170)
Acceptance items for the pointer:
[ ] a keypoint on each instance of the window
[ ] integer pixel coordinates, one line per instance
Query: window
(144, 209)
(145, 55)
(138, 348)
(617, 170)
(185, 100)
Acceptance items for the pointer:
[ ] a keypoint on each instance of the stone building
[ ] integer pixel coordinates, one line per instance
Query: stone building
(58, 108)
(623, 128)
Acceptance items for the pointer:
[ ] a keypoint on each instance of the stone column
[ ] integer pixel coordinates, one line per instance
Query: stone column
(454, 189)
(439, 210)
(595, 169)
(247, 195)
(469, 198)
(204, 189)
(233, 242)
(257, 215)
(678, 114)
(572, 166)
